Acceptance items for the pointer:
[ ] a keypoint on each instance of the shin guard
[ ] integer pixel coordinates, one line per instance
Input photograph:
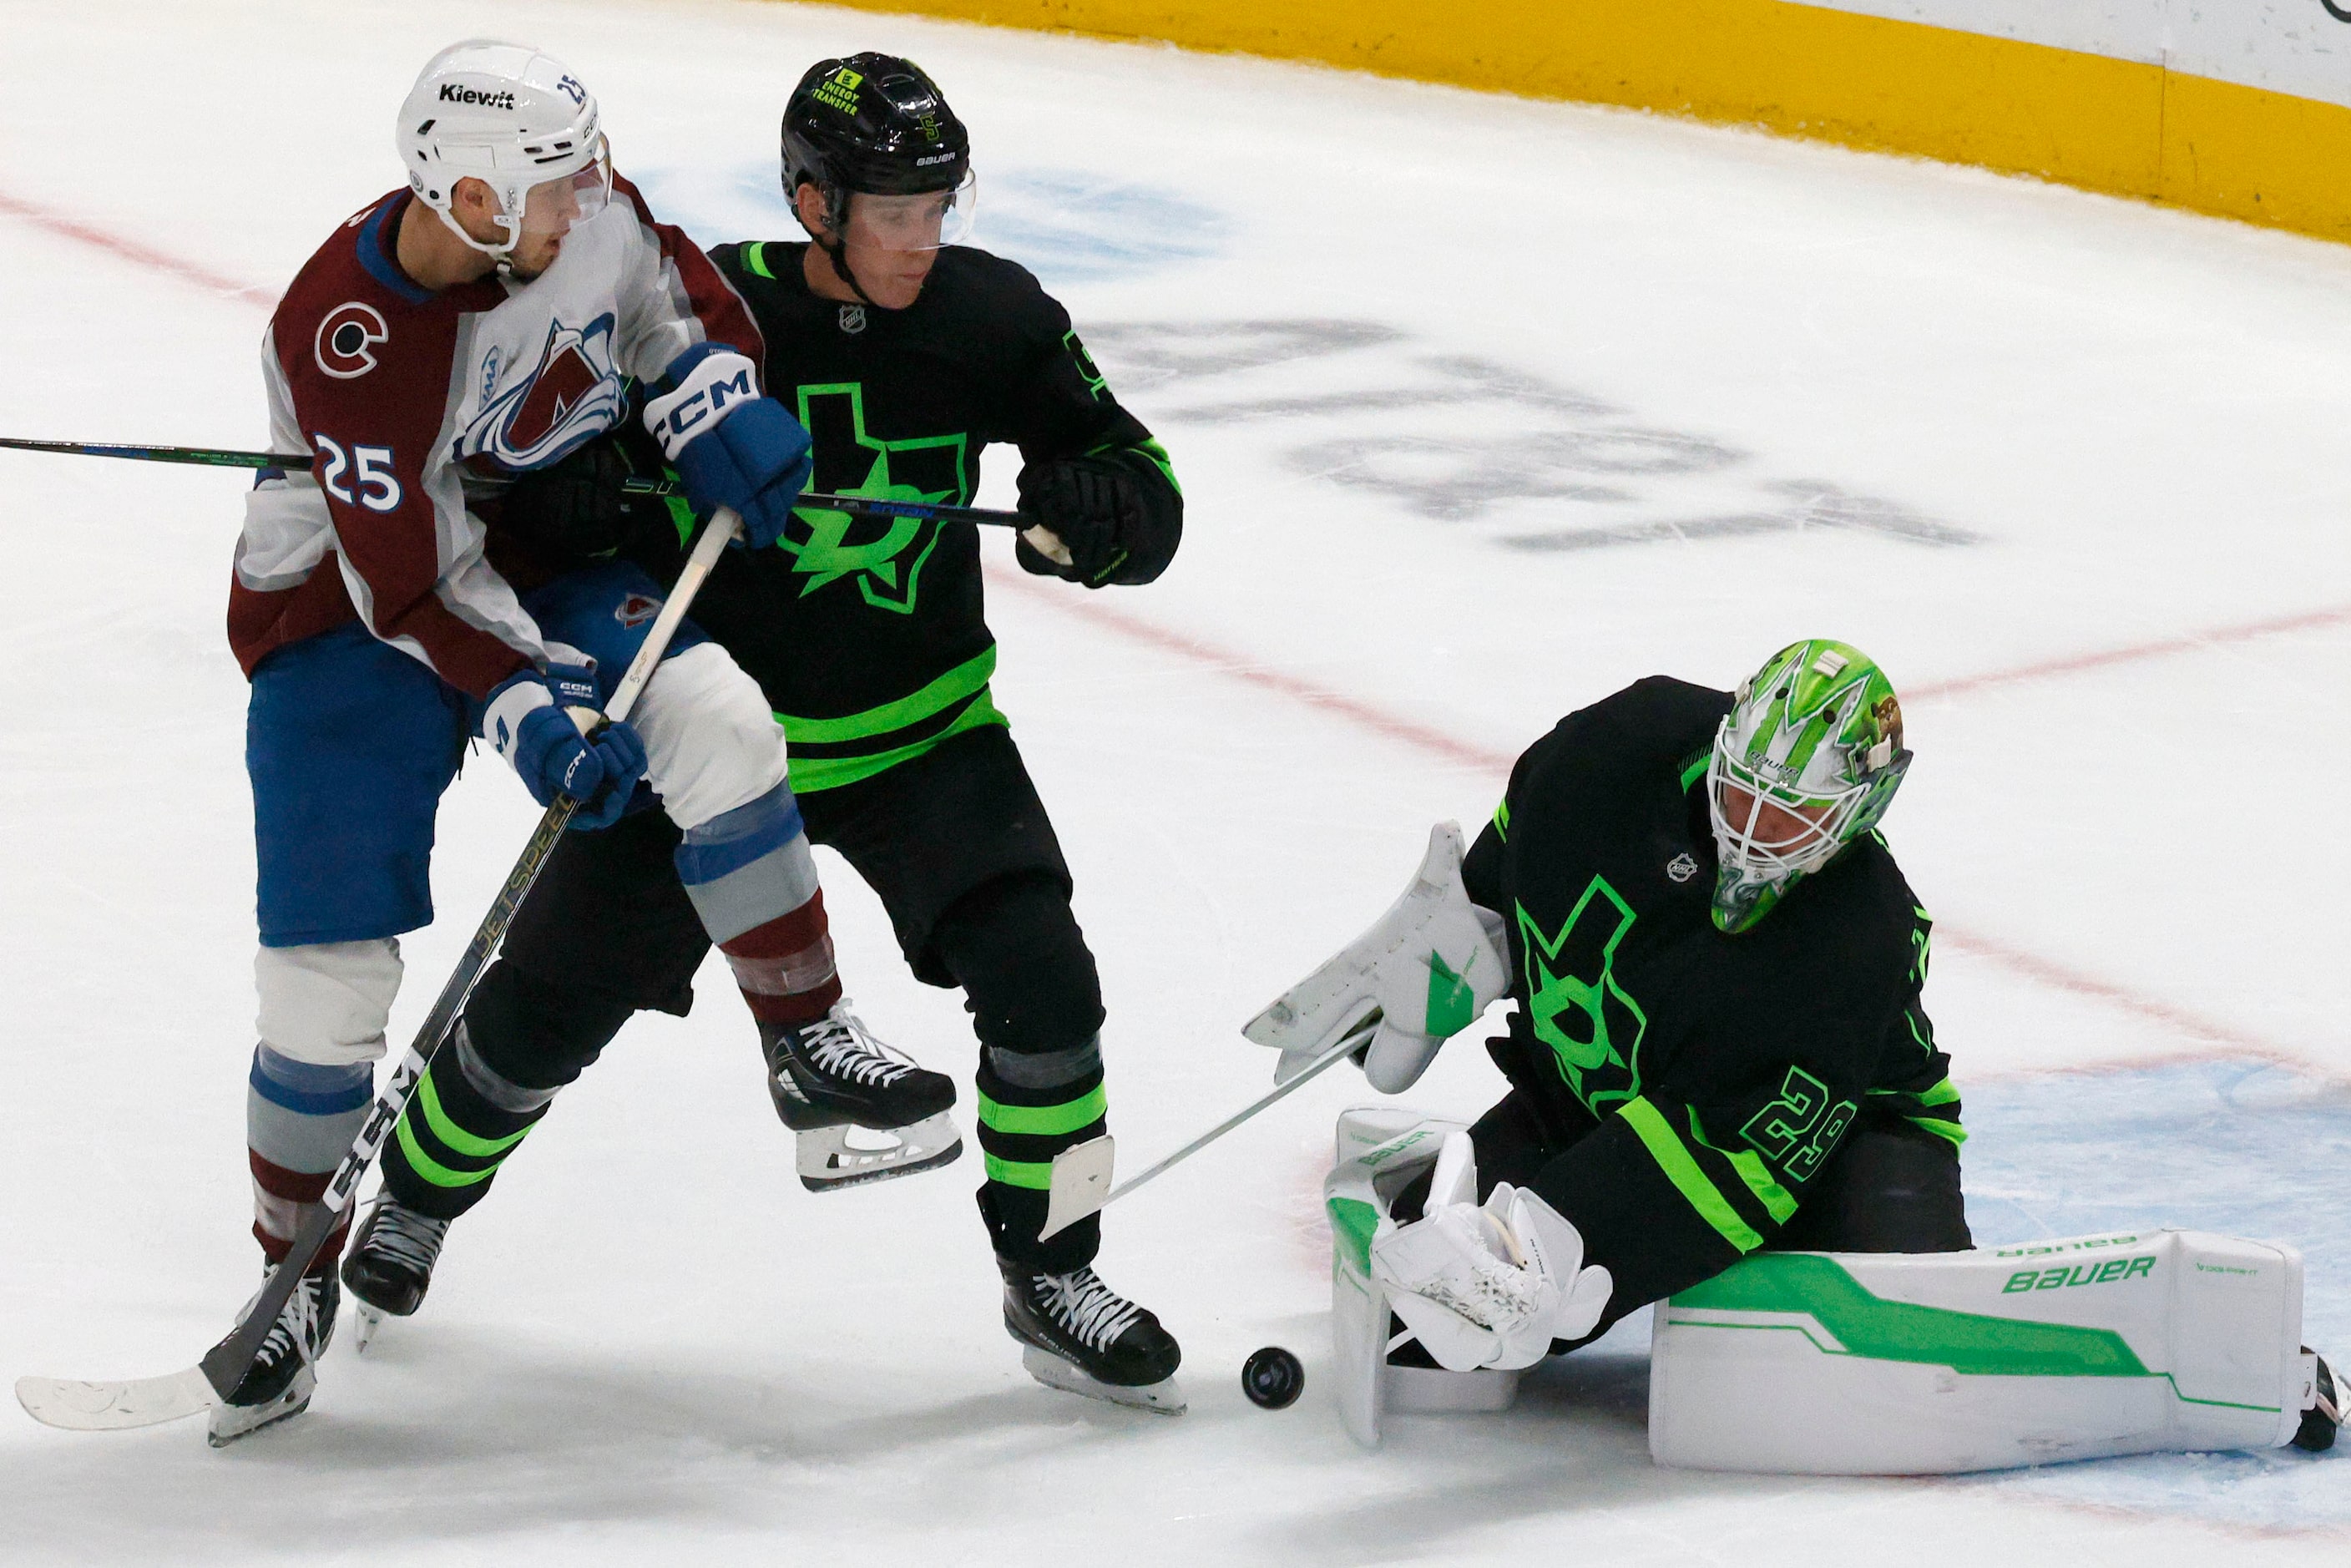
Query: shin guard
(754, 884)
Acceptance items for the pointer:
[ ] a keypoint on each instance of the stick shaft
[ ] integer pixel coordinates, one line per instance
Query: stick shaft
(1352, 1042)
(300, 461)
(225, 1364)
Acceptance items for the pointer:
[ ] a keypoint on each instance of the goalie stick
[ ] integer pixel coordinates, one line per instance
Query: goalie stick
(144, 1402)
(1081, 1173)
(1039, 537)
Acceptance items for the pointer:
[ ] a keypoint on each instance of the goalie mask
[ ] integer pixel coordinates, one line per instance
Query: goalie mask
(1805, 762)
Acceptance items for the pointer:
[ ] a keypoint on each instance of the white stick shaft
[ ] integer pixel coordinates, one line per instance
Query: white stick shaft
(1352, 1042)
(713, 543)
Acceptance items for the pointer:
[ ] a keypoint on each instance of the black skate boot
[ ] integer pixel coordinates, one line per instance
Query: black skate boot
(1079, 1335)
(2322, 1417)
(830, 1080)
(390, 1264)
(283, 1375)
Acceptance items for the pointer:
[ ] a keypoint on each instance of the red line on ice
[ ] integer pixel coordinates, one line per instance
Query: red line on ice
(2276, 626)
(1434, 742)
(2030, 966)
(67, 227)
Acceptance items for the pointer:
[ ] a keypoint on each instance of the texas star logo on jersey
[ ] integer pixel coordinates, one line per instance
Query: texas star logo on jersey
(572, 394)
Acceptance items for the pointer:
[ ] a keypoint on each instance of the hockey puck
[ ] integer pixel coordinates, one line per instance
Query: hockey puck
(1272, 1379)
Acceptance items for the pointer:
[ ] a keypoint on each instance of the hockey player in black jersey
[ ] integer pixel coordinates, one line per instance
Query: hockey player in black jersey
(1717, 1043)
(905, 354)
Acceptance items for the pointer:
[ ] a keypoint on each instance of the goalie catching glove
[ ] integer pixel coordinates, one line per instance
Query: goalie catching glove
(1431, 964)
(1487, 1285)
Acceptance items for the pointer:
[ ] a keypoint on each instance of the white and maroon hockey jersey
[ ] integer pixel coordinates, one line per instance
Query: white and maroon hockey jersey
(404, 397)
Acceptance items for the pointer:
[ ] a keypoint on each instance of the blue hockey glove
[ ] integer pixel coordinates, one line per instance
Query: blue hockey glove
(731, 446)
(535, 720)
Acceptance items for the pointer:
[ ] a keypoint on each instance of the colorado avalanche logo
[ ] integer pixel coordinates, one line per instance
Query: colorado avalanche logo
(573, 394)
(636, 609)
(345, 336)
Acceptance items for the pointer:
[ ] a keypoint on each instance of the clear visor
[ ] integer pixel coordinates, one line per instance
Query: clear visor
(925, 220)
(551, 207)
(1772, 832)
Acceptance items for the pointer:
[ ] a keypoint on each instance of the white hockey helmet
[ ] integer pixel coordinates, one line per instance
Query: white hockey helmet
(516, 119)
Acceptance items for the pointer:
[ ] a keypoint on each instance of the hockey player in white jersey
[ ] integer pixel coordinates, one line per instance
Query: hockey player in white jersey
(481, 322)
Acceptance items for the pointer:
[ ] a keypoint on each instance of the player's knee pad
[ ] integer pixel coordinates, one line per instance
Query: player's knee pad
(711, 741)
(1850, 1363)
(1027, 975)
(1382, 1152)
(327, 1003)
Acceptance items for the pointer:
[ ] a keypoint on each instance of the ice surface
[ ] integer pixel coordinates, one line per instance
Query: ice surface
(1484, 408)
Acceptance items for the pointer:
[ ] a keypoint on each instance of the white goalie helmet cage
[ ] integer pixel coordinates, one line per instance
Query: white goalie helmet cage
(507, 115)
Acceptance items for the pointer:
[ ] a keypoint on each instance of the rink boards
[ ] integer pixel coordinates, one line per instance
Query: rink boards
(2237, 110)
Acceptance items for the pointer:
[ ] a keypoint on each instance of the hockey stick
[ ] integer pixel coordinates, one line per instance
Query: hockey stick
(1081, 1173)
(820, 500)
(146, 1401)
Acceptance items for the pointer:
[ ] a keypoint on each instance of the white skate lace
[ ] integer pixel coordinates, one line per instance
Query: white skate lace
(1087, 1309)
(838, 1047)
(405, 1236)
(297, 1328)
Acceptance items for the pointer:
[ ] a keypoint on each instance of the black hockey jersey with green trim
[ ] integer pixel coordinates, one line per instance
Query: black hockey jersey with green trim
(1697, 1081)
(870, 637)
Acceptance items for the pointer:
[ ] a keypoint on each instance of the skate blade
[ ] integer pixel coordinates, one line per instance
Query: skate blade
(232, 1423)
(365, 1321)
(827, 1160)
(1161, 1398)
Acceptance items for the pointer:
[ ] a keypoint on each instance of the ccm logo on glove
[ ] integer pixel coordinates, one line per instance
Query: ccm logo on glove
(716, 378)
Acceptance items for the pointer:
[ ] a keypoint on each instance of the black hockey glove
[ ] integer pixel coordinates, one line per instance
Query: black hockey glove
(573, 512)
(1119, 525)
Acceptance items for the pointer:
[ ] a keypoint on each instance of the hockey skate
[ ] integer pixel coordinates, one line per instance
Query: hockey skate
(284, 1374)
(858, 1111)
(2322, 1417)
(1078, 1336)
(390, 1264)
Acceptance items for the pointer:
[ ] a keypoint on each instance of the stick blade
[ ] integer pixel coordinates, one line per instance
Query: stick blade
(1081, 1184)
(115, 1407)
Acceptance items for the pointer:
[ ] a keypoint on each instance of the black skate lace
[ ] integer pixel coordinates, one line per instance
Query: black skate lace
(839, 1046)
(1088, 1309)
(406, 1237)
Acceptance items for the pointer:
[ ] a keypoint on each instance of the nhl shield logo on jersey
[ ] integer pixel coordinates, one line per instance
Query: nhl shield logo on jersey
(1682, 867)
(573, 393)
(346, 339)
(636, 609)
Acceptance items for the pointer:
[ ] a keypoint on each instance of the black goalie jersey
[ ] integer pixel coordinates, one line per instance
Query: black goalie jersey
(1690, 1087)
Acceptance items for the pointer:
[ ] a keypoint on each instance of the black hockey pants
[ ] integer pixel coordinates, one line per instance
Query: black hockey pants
(956, 844)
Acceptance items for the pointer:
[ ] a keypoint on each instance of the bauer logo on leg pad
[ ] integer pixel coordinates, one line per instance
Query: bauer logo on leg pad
(2080, 1274)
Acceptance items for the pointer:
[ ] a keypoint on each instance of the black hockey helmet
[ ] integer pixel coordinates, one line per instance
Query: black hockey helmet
(874, 123)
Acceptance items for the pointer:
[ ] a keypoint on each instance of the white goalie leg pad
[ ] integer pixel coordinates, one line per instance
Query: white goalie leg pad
(1843, 1363)
(327, 1003)
(712, 743)
(1428, 967)
(1380, 1152)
